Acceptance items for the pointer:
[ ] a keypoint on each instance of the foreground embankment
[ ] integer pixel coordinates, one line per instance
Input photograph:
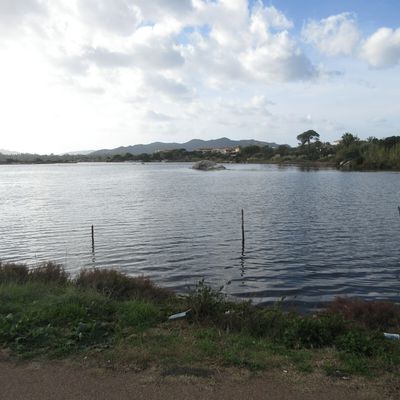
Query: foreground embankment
(111, 320)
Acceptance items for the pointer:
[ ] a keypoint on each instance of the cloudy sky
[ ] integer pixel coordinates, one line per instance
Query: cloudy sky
(90, 74)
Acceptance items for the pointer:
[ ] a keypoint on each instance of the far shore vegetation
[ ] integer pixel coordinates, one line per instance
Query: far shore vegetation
(348, 153)
(116, 321)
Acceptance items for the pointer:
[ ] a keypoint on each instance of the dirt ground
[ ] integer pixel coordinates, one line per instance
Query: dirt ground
(64, 380)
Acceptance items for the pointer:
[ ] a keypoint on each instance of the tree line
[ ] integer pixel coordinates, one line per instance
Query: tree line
(349, 152)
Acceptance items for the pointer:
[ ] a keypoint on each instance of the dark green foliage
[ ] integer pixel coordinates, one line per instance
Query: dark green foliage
(359, 343)
(313, 332)
(348, 139)
(206, 303)
(307, 137)
(43, 312)
(47, 319)
(292, 330)
(57, 322)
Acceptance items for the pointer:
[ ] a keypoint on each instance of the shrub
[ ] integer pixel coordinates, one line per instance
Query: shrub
(206, 303)
(261, 322)
(119, 286)
(49, 272)
(13, 273)
(311, 332)
(379, 315)
(359, 343)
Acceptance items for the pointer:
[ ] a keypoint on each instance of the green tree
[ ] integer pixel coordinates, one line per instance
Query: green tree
(348, 139)
(307, 137)
(250, 151)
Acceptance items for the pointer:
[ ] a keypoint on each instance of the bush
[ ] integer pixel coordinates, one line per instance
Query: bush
(359, 343)
(378, 315)
(311, 332)
(119, 286)
(49, 272)
(260, 322)
(13, 273)
(206, 303)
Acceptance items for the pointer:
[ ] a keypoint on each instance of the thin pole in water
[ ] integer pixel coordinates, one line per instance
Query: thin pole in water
(242, 230)
(92, 238)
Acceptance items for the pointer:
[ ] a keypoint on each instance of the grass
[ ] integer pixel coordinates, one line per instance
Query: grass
(122, 321)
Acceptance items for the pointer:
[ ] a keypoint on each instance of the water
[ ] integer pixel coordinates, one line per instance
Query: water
(310, 235)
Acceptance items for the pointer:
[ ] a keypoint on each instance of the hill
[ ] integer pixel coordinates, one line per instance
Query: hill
(191, 145)
(8, 152)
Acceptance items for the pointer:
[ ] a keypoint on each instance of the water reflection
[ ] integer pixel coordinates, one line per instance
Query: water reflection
(242, 266)
(93, 249)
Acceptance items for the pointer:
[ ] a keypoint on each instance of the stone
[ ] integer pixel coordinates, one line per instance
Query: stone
(207, 165)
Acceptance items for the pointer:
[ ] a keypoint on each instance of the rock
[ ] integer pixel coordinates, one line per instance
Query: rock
(345, 164)
(207, 165)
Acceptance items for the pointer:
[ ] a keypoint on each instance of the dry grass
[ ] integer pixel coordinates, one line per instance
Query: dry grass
(119, 286)
(13, 273)
(376, 315)
(49, 272)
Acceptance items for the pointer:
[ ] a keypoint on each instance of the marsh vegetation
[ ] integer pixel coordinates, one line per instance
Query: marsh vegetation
(117, 319)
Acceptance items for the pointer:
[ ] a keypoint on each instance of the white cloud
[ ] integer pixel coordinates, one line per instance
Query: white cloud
(333, 36)
(117, 16)
(278, 59)
(166, 86)
(125, 71)
(245, 45)
(271, 17)
(382, 48)
(158, 117)
(159, 9)
(15, 9)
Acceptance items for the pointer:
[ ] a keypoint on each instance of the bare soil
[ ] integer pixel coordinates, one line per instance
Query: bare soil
(67, 380)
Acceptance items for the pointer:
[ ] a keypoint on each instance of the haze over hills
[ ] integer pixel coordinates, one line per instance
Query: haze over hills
(8, 152)
(191, 145)
(78, 153)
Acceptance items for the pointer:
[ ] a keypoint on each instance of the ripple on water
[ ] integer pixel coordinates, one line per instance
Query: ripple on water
(310, 236)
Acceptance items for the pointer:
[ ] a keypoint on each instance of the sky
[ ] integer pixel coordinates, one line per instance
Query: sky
(92, 74)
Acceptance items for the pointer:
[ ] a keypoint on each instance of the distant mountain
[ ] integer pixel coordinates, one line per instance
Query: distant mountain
(8, 152)
(192, 145)
(78, 153)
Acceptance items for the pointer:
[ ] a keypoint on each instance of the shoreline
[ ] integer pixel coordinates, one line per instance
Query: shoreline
(107, 317)
(315, 165)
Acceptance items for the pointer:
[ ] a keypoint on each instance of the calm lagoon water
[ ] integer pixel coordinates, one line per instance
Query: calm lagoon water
(310, 235)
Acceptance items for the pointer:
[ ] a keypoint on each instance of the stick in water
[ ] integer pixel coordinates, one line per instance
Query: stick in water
(242, 230)
(92, 238)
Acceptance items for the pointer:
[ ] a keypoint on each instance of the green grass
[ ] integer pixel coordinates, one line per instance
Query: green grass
(122, 321)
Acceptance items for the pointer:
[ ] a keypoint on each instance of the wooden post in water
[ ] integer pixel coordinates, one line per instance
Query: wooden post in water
(242, 230)
(92, 238)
